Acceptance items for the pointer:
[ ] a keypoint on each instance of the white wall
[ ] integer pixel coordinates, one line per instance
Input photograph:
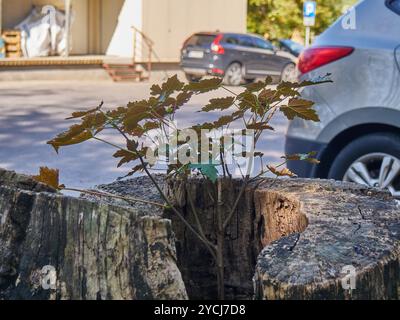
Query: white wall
(122, 40)
(169, 22)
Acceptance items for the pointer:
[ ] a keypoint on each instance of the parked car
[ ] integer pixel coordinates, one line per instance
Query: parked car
(358, 138)
(236, 57)
(291, 46)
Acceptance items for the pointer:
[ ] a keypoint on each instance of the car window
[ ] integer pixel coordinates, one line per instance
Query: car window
(262, 44)
(246, 41)
(231, 39)
(200, 40)
(394, 5)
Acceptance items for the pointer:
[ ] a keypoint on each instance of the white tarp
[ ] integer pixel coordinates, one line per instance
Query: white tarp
(43, 33)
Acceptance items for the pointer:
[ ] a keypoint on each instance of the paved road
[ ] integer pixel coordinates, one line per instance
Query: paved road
(31, 113)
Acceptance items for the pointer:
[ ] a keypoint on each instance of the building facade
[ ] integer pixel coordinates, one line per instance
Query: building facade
(104, 27)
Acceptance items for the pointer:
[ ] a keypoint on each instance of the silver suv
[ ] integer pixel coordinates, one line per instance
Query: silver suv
(358, 138)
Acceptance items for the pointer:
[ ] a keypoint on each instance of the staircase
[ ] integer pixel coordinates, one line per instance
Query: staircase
(125, 72)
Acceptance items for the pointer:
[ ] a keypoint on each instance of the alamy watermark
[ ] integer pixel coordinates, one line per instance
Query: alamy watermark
(349, 278)
(172, 146)
(349, 18)
(49, 278)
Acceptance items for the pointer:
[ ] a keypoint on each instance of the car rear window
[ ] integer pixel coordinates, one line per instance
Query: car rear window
(200, 40)
(231, 39)
(394, 5)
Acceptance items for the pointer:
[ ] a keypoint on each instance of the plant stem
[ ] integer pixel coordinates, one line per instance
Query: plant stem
(109, 195)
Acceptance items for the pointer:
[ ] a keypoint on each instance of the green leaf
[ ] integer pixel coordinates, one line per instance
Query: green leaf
(300, 108)
(219, 104)
(205, 85)
(209, 170)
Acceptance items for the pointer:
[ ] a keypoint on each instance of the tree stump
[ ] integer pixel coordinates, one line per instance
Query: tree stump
(306, 230)
(348, 226)
(94, 250)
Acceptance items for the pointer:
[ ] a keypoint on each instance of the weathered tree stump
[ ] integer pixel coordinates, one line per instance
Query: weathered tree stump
(288, 239)
(97, 251)
(348, 225)
(309, 230)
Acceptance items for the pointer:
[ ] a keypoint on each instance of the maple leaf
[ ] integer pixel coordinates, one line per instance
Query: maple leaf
(49, 177)
(300, 108)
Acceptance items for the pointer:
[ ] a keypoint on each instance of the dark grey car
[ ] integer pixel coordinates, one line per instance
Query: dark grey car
(236, 57)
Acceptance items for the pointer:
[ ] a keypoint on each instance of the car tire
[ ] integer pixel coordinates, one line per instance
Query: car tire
(378, 153)
(289, 73)
(192, 78)
(234, 75)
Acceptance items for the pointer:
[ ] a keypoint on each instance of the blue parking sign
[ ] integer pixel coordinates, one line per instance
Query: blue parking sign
(309, 9)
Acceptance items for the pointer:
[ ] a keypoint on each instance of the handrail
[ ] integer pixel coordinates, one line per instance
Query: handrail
(150, 45)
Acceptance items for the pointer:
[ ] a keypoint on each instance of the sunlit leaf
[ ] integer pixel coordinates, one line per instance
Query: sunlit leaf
(49, 177)
(300, 108)
(281, 173)
(75, 135)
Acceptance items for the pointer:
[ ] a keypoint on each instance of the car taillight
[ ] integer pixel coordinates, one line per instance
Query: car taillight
(216, 46)
(314, 58)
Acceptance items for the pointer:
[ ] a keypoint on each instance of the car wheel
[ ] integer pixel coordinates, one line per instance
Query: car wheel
(372, 160)
(192, 78)
(234, 74)
(289, 73)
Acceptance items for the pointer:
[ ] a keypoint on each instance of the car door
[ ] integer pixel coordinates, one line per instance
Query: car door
(265, 57)
(248, 54)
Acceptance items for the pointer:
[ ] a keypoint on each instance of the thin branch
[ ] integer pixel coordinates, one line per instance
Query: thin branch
(109, 195)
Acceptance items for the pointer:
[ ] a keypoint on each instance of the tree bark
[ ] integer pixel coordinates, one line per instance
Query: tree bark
(97, 251)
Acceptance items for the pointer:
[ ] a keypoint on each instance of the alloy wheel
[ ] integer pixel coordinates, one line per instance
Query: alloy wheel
(377, 170)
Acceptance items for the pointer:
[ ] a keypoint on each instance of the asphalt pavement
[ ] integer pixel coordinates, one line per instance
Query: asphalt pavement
(32, 112)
